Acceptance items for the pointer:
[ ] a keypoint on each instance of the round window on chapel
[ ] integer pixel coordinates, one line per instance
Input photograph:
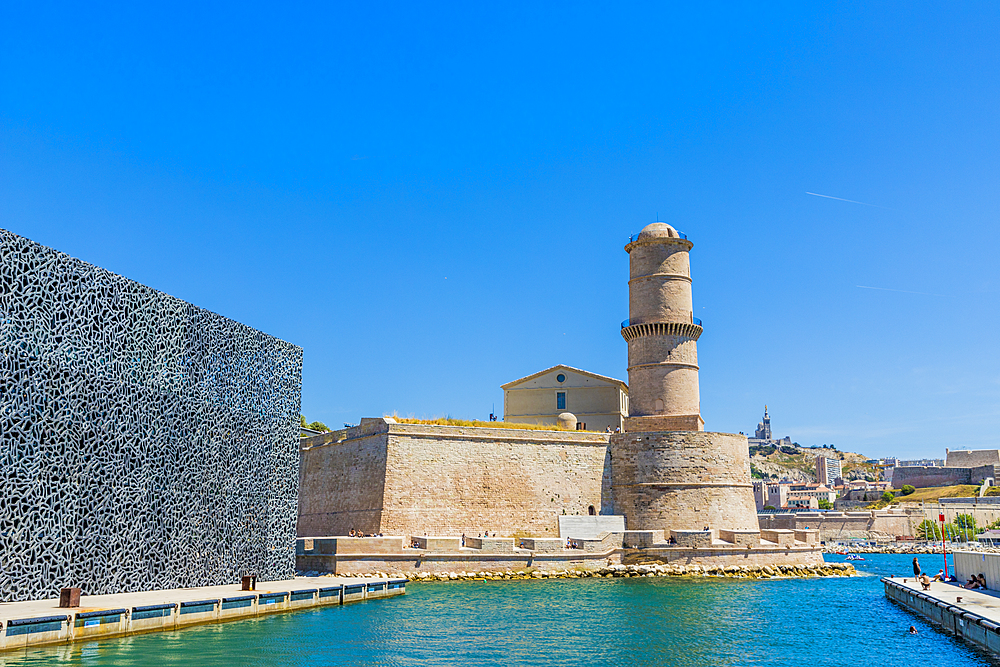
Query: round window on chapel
(560, 378)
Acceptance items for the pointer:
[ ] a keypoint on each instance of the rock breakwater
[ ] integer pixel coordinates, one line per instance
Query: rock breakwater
(641, 570)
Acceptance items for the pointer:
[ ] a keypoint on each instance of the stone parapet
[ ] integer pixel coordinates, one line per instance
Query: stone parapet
(809, 536)
(654, 423)
(447, 544)
(349, 545)
(542, 544)
(783, 538)
(473, 560)
(493, 545)
(740, 538)
(692, 538)
(602, 544)
(640, 539)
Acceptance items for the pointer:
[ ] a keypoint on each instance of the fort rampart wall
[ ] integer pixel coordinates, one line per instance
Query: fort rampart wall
(925, 476)
(415, 479)
(844, 525)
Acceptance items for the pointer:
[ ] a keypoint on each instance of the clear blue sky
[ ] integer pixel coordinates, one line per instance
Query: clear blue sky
(433, 201)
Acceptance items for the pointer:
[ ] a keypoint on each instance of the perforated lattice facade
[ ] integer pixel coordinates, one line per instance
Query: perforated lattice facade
(144, 442)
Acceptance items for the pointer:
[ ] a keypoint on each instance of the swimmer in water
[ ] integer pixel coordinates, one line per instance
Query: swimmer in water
(913, 630)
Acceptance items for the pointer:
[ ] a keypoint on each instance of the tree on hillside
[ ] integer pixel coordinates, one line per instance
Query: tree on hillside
(907, 489)
(825, 504)
(887, 496)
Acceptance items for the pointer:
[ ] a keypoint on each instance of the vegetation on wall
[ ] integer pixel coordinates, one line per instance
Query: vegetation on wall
(315, 426)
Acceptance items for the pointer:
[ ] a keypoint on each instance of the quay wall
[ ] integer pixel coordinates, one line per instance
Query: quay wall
(416, 479)
(548, 555)
(943, 610)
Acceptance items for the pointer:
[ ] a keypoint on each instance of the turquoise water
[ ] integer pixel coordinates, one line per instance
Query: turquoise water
(649, 621)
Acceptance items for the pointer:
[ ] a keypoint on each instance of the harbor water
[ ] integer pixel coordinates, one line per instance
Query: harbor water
(638, 621)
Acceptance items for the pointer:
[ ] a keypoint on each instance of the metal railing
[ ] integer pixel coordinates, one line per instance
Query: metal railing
(633, 237)
(695, 320)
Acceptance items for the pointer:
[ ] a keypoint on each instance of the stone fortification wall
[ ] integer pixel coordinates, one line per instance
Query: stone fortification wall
(925, 476)
(342, 481)
(842, 525)
(412, 479)
(683, 481)
(972, 458)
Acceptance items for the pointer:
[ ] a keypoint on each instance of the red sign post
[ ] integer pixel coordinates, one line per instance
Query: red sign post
(944, 551)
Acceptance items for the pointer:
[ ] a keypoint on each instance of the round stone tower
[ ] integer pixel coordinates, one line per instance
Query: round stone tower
(662, 334)
(667, 473)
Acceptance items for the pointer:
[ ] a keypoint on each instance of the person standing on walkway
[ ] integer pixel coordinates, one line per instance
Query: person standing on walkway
(916, 567)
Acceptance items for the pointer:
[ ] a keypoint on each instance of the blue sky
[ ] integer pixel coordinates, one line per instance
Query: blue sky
(433, 201)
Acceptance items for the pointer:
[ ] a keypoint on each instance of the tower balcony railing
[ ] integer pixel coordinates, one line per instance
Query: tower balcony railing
(694, 320)
(633, 237)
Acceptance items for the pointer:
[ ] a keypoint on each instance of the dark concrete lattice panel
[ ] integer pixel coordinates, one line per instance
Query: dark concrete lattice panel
(144, 442)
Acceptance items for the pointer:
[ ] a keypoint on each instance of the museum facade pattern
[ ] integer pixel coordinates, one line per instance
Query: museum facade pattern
(145, 443)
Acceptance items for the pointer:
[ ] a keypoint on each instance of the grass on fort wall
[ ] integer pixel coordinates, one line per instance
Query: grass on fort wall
(448, 421)
(933, 493)
(928, 494)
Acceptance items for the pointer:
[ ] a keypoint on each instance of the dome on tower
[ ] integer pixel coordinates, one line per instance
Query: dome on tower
(658, 230)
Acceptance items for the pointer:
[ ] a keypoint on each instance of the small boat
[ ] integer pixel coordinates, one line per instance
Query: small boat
(854, 557)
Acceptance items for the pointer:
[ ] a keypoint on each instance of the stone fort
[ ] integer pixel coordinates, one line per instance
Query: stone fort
(663, 473)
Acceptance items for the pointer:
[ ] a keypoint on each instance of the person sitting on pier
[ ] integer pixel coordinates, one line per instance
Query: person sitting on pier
(973, 583)
(982, 581)
(925, 581)
(939, 576)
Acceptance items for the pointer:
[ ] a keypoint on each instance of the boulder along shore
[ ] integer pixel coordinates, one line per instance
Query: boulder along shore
(907, 548)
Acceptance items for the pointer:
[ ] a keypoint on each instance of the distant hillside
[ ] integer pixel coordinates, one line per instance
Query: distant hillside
(798, 463)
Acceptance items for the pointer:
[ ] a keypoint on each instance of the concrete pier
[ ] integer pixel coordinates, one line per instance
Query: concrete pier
(40, 622)
(973, 615)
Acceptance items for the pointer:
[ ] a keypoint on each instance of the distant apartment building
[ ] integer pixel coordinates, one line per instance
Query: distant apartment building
(597, 401)
(828, 470)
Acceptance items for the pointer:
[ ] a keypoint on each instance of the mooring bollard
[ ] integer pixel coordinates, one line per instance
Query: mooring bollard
(69, 597)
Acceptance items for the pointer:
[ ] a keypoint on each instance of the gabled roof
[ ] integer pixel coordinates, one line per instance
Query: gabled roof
(567, 368)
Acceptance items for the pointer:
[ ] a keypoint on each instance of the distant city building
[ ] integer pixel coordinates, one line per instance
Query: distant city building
(597, 401)
(827, 470)
(785, 494)
(762, 435)
(763, 431)
(770, 494)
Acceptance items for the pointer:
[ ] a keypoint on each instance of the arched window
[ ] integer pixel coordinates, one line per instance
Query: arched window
(591, 511)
